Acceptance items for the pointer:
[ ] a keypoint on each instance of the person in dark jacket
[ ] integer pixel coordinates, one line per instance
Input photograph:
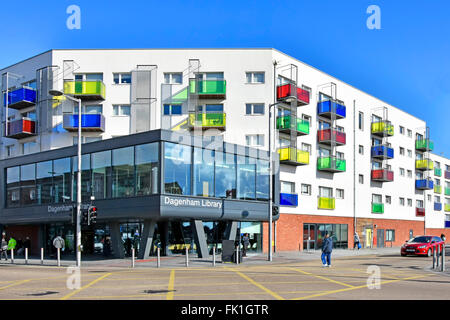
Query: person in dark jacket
(327, 248)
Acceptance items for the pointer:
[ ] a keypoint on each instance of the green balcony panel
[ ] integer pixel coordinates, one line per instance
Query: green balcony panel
(284, 124)
(447, 207)
(208, 88)
(425, 164)
(208, 120)
(437, 189)
(94, 90)
(425, 144)
(377, 207)
(438, 172)
(326, 203)
(447, 191)
(331, 164)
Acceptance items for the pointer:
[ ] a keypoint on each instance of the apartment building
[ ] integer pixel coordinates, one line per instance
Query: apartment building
(346, 161)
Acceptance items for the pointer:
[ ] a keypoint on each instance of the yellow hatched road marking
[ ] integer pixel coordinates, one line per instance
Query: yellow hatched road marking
(323, 278)
(171, 285)
(86, 286)
(15, 284)
(273, 294)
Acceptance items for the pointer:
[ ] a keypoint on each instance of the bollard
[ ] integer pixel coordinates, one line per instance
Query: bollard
(158, 260)
(26, 255)
(434, 258)
(443, 258)
(437, 256)
(187, 257)
(132, 257)
(237, 254)
(308, 245)
(58, 256)
(214, 256)
(42, 256)
(12, 256)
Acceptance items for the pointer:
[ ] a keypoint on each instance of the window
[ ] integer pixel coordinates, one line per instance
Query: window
(402, 151)
(306, 189)
(9, 150)
(377, 198)
(177, 169)
(429, 198)
(172, 109)
(173, 78)
(246, 178)
(402, 172)
(287, 187)
(325, 192)
(121, 110)
(339, 193)
(89, 77)
(409, 133)
(388, 200)
(306, 147)
(361, 149)
(361, 121)
(410, 153)
(203, 172)
(29, 147)
(402, 130)
(89, 109)
(146, 169)
(254, 108)
(30, 84)
(123, 172)
(409, 174)
(254, 77)
(409, 202)
(122, 78)
(254, 140)
(402, 201)
(361, 179)
(340, 155)
(437, 199)
(419, 203)
(85, 139)
(390, 235)
(307, 118)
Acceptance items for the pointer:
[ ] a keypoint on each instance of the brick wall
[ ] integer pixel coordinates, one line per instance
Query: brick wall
(21, 232)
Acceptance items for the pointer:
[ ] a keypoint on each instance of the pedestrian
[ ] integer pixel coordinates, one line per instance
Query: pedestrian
(356, 238)
(20, 248)
(327, 248)
(12, 244)
(4, 248)
(245, 244)
(27, 244)
(107, 247)
(59, 243)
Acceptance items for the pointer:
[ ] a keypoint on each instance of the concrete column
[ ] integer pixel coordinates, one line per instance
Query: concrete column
(116, 240)
(147, 239)
(231, 230)
(200, 238)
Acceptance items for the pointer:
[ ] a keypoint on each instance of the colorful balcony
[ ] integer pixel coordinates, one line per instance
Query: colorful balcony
(288, 199)
(447, 207)
(331, 164)
(424, 145)
(377, 207)
(293, 156)
(20, 129)
(331, 109)
(437, 206)
(447, 174)
(20, 98)
(213, 120)
(382, 175)
(326, 203)
(331, 137)
(284, 125)
(85, 90)
(447, 191)
(425, 164)
(437, 189)
(424, 184)
(287, 91)
(446, 224)
(208, 89)
(89, 122)
(382, 152)
(420, 212)
(382, 128)
(438, 172)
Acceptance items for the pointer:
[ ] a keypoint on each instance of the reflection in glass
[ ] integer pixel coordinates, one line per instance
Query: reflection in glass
(203, 172)
(177, 168)
(101, 174)
(86, 187)
(147, 169)
(13, 187)
(61, 180)
(262, 180)
(246, 178)
(225, 175)
(123, 172)
(27, 184)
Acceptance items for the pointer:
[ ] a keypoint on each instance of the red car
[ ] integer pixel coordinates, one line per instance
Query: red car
(422, 246)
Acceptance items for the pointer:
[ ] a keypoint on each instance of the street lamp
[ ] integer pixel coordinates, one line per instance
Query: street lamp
(57, 93)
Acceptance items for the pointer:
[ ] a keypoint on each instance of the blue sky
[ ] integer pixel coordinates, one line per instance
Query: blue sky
(406, 63)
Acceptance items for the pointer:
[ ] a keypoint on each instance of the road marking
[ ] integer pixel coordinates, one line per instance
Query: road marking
(171, 285)
(355, 288)
(14, 284)
(86, 286)
(320, 277)
(273, 294)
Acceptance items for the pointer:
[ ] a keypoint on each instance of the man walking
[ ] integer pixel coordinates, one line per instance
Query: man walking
(356, 240)
(4, 248)
(12, 244)
(327, 248)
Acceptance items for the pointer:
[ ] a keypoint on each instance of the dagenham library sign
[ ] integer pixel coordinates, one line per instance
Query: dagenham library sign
(190, 202)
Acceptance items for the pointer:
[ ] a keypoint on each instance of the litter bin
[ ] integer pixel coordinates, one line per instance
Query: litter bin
(235, 254)
(228, 250)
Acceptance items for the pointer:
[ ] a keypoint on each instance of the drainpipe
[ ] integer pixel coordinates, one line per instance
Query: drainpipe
(354, 167)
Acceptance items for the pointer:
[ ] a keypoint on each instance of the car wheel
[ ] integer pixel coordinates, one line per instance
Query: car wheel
(429, 253)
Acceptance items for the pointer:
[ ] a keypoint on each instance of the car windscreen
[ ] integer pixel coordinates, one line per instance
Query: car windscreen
(420, 240)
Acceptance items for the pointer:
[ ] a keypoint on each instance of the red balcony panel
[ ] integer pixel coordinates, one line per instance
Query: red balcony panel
(22, 128)
(420, 212)
(327, 135)
(383, 174)
(285, 91)
(303, 95)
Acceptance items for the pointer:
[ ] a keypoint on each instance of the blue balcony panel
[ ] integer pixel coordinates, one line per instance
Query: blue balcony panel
(424, 184)
(383, 152)
(89, 122)
(328, 107)
(20, 98)
(288, 199)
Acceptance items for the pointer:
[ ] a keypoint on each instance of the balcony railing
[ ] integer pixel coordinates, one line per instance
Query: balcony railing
(293, 156)
(438, 172)
(284, 125)
(20, 98)
(286, 91)
(331, 164)
(447, 207)
(447, 224)
(437, 189)
(425, 164)
(377, 207)
(20, 129)
(326, 203)
(213, 120)
(89, 122)
(382, 152)
(420, 212)
(447, 191)
(86, 90)
(208, 89)
(331, 108)
(288, 199)
(424, 184)
(424, 145)
(382, 128)
(328, 136)
(447, 174)
(382, 175)
(437, 206)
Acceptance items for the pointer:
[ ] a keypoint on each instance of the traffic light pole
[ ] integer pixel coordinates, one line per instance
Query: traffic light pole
(79, 187)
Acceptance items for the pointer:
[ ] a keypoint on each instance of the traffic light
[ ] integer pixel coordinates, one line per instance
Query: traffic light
(84, 217)
(275, 210)
(92, 214)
